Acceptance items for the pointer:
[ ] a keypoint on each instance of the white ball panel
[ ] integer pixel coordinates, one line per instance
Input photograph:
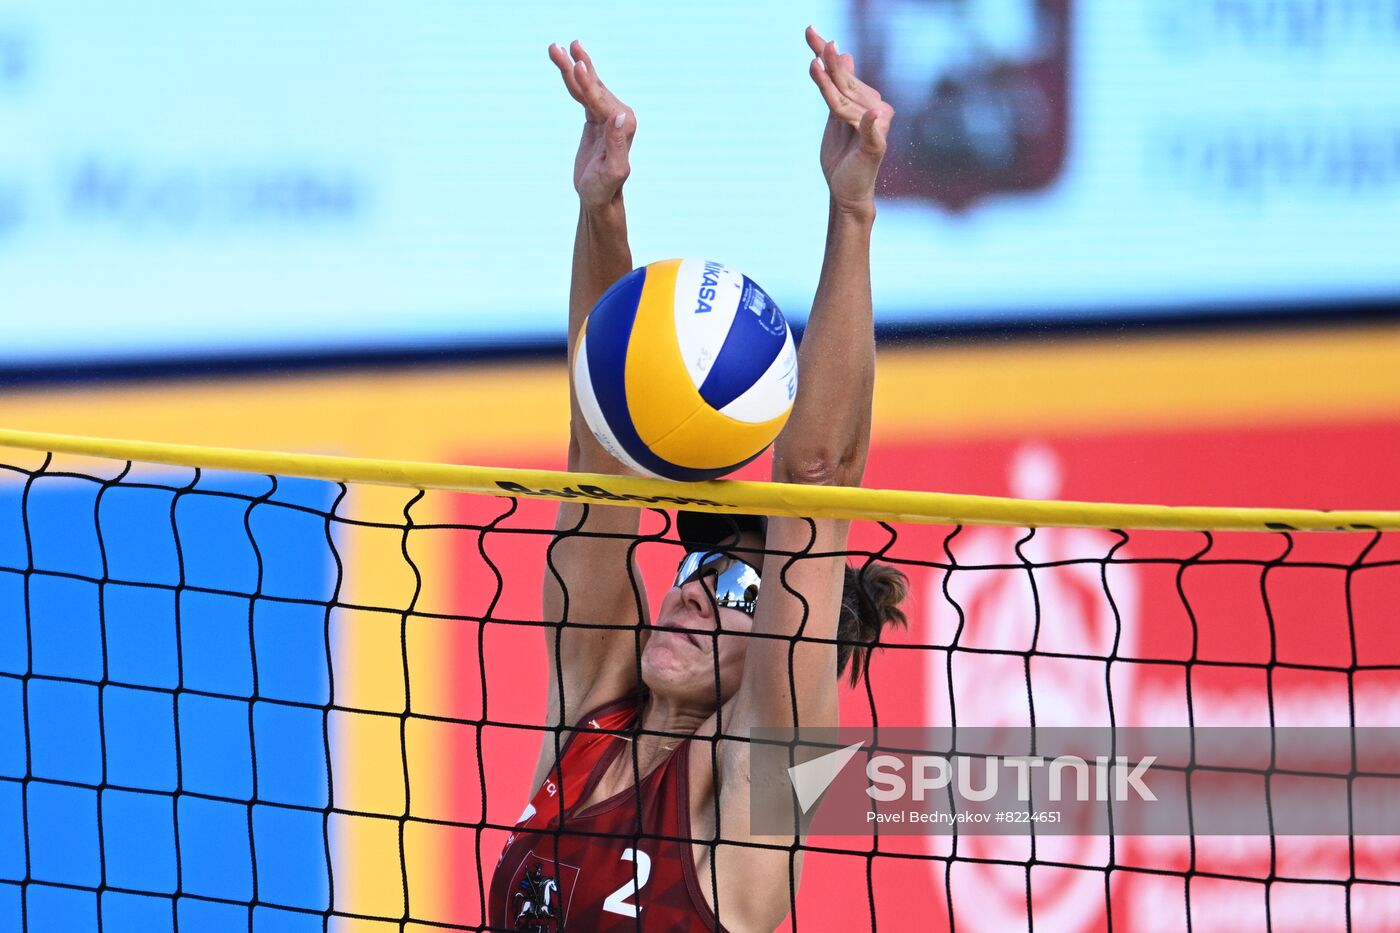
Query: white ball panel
(593, 413)
(701, 333)
(773, 392)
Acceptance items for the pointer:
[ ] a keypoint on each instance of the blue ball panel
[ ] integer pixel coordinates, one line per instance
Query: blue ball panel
(609, 330)
(754, 341)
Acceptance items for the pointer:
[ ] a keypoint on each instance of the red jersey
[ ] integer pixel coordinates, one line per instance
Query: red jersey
(593, 871)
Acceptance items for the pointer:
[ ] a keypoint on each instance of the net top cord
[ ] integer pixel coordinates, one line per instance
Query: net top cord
(719, 496)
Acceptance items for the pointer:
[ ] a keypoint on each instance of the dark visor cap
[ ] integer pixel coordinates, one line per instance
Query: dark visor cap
(701, 530)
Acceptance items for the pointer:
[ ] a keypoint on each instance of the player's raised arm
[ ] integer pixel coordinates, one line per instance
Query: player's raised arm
(595, 665)
(601, 167)
(827, 437)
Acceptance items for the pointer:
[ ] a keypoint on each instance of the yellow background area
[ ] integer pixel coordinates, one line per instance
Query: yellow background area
(366, 869)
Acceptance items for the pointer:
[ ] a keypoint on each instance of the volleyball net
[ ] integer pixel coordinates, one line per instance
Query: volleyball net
(273, 692)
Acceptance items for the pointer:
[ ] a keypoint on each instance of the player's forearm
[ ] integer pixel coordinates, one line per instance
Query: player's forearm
(827, 436)
(601, 257)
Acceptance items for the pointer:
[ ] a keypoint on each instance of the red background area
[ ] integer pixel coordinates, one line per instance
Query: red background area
(1226, 642)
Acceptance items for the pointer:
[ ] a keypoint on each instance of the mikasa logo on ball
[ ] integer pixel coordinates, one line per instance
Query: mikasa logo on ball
(709, 279)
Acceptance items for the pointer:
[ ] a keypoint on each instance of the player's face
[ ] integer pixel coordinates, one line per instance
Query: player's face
(701, 623)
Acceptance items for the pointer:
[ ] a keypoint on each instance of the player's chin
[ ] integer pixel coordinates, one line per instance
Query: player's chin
(671, 663)
(657, 657)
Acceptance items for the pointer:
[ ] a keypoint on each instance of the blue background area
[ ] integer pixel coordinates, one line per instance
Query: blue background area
(86, 811)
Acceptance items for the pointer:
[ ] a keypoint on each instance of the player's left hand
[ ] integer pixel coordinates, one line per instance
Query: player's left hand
(601, 166)
(856, 128)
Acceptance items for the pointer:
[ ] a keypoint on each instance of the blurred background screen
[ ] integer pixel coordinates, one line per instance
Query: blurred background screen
(203, 179)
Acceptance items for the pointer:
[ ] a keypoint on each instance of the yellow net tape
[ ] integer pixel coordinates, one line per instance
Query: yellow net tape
(718, 496)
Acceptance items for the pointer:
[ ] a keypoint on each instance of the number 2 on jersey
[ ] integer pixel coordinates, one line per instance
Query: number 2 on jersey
(617, 901)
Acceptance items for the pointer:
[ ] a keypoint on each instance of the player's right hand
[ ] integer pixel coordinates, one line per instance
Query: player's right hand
(601, 165)
(857, 127)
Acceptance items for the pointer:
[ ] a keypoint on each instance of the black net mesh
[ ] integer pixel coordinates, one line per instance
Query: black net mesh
(256, 703)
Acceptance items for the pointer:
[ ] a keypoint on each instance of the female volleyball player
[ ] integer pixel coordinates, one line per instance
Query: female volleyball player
(621, 831)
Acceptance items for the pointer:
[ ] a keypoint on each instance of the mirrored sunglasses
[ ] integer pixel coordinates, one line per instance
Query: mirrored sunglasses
(736, 583)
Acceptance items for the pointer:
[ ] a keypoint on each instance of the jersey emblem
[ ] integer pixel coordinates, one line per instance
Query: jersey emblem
(537, 901)
(540, 902)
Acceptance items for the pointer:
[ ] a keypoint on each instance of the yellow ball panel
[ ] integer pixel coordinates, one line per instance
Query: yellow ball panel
(660, 395)
(709, 439)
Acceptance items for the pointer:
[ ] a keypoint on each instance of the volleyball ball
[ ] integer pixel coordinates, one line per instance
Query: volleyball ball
(685, 369)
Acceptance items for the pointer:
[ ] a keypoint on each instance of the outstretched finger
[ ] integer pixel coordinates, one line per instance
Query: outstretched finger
(815, 41)
(590, 92)
(841, 106)
(600, 102)
(566, 71)
(580, 54)
(842, 67)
